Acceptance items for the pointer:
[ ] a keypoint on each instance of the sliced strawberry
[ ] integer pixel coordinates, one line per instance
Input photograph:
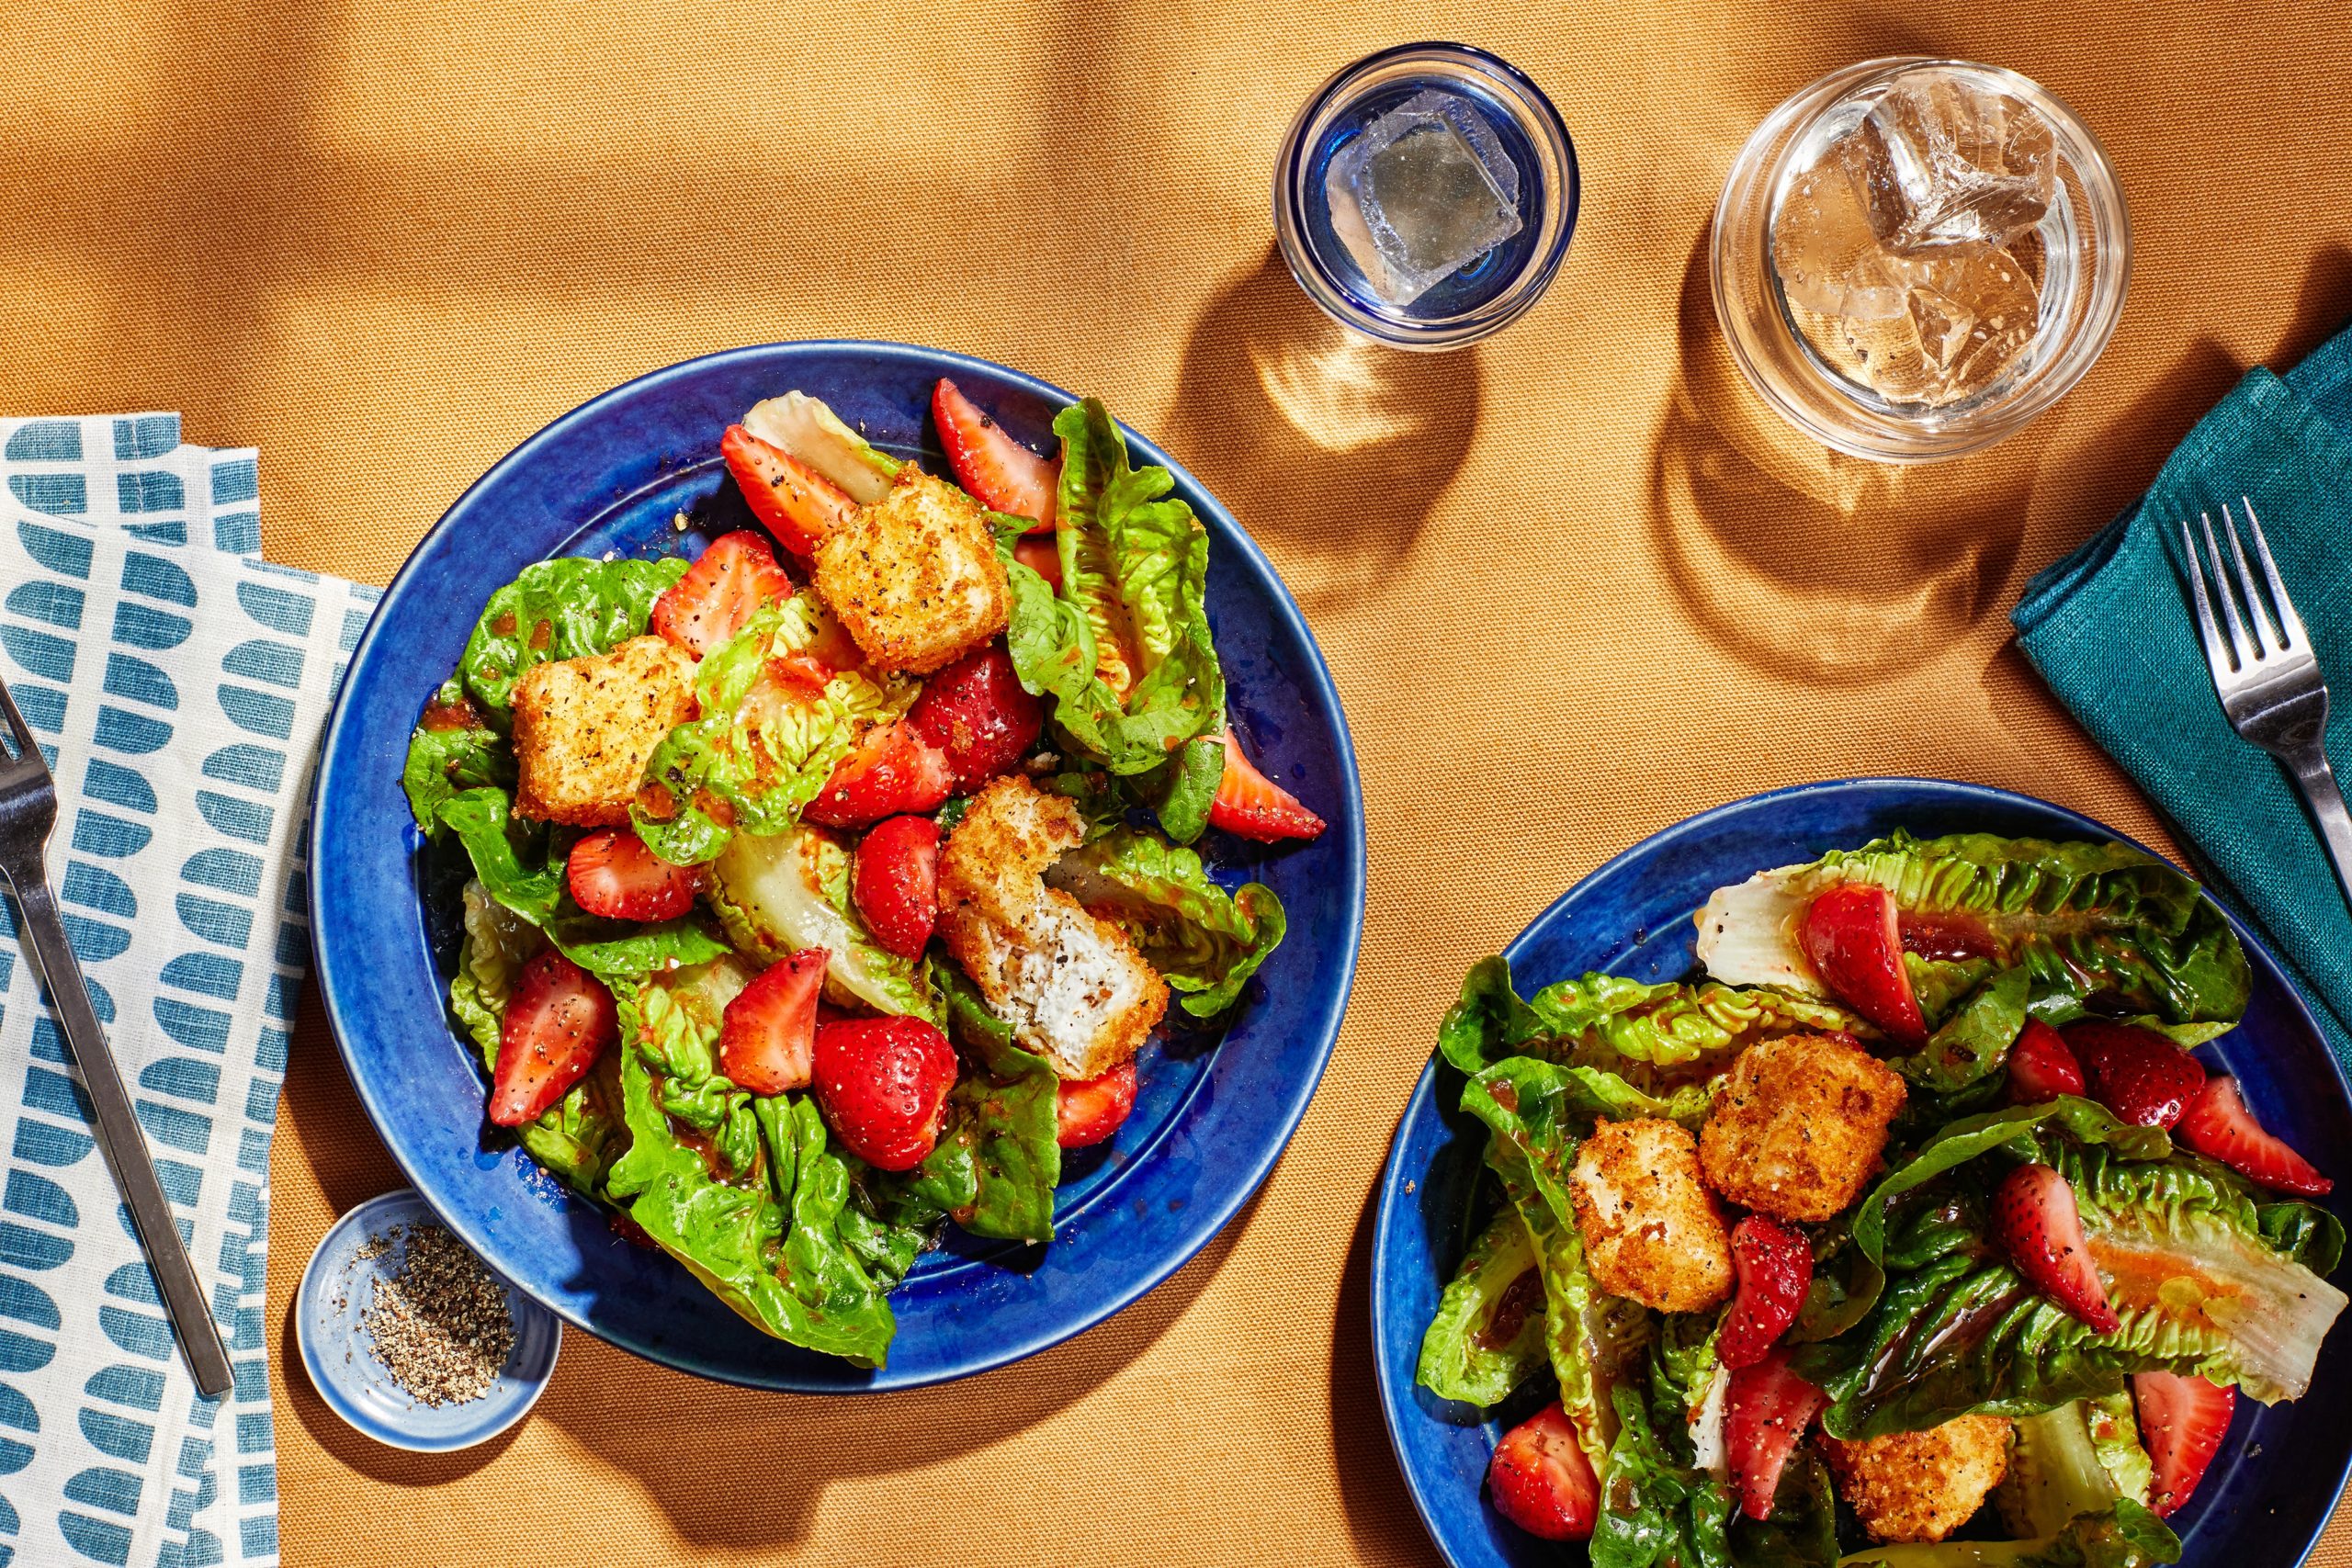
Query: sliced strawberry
(2217, 1123)
(767, 1038)
(2182, 1420)
(1946, 937)
(896, 881)
(882, 1084)
(1775, 1266)
(1767, 1410)
(2038, 1224)
(893, 769)
(1091, 1110)
(1541, 1480)
(558, 1020)
(1852, 938)
(976, 711)
(994, 470)
(721, 590)
(792, 501)
(1252, 805)
(1043, 556)
(612, 874)
(2041, 1066)
(2134, 1072)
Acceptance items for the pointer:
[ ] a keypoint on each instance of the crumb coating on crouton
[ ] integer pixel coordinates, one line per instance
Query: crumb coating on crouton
(586, 728)
(915, 578)
(1921, 1486)
(1799, 1125)
(1651, 1230)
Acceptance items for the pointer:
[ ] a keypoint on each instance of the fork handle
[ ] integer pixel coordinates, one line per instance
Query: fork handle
(120, 1137)
(2317, 780)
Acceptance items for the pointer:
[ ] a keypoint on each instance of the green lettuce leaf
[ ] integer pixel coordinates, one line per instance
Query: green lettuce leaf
(1653, 1510)
(1204, 941)
(1487, 1336)
(513, 859)
(2114, 1424)
(1124, 648)
(616, 952)
(451, 752)
(1803, 1531)
(2054, 1473)
(2126, 1536)
(1180, 791)
(777, 895)
(566, 608)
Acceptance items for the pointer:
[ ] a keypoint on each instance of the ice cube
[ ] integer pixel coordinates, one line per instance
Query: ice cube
(1828, 239)
(1423, 192)
(1973, 165)
(1967, 312)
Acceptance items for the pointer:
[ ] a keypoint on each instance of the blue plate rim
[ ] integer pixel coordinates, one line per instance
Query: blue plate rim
(1392, 1181)
(519, 1300)
(1317, 685)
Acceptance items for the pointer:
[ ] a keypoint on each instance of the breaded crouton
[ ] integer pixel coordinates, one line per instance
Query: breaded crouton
(915, 577)
(584, 729)
(1072, 985)
(1651, 1232)
(1921, 1485)
(1798, 1125)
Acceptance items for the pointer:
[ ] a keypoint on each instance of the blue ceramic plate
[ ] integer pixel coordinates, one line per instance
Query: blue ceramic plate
(337, 1291)
(2274, 1484)
(611, 476)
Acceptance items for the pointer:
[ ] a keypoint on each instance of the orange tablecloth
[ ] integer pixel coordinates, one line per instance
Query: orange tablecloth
(1574, 583)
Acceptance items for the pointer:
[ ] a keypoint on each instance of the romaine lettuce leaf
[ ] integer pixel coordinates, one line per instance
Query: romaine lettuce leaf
(2054, 1473)
(616, 952)
(566, 608)
(452, 749)
(1803, 1531)
(2126, 1536)
(2114, 1424)
(804, 427)
(1653, 1510)
(512, 858)
(1204, 941)
(777, 895)
(1487, 1336)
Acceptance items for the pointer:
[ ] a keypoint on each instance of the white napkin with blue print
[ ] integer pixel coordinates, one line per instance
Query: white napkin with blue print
(179, 683)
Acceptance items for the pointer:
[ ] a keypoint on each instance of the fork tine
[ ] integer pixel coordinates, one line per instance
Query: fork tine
(25, 745)
(2245, 649)
(2288, 621)
(2217, 656)
(2266, 637)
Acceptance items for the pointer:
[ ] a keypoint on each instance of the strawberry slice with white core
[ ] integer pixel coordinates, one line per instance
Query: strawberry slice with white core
(558, 1020)
(1774, 1263)
(1853, 941)
(611, 873)
(723, 589)
(2218, 1124)
(1768, 1409)
(767, 1038)
(993, 469)
(1251, 805)
(792, 501)
(2037, 1221)
(2182, 1420)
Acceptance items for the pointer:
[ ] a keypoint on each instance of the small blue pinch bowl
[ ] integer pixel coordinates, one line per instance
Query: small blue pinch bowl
(337, 1288)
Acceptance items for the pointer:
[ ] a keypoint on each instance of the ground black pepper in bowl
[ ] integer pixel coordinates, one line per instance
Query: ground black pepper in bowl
(439, 1323)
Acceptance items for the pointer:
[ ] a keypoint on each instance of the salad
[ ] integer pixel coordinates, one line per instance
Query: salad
(823, 889)
(1908, 1233)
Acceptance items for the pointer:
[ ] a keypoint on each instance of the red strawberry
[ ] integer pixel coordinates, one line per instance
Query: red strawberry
(792, 501)
(1767, 1411)
(896, 881)
(719, 593)
(1252, 805)
(1091, 1110)
(882, 1084)
(994, 470)
(1541, 1480)
(2218, 1124)
(976, 711)
(2182, 1421)
(557, 1022)
(2041, 1066)
(2134, 1072)
(1852, 939)
(2037, 1222)
(1775, 1266)
(1043, 556)
(767, 1038)
(614, 874)
(893, 769)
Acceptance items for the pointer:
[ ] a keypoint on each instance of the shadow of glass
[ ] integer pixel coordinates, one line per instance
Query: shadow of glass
(1808, 563)
(1329, 447)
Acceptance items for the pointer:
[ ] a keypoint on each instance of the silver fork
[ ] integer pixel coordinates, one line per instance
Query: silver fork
(2269, 679)
(28, 812)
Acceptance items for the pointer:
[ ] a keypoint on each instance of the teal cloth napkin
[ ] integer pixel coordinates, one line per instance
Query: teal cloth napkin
(2111, 629)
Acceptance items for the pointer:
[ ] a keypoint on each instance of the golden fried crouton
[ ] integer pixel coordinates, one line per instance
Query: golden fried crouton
(1651, 1232)
(584, 729)
(1798, 1125)
(915, 577)
(1921, 1485)
(1072, 985)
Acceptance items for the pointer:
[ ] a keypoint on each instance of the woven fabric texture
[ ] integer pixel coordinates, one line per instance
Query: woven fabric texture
(1576, 583)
